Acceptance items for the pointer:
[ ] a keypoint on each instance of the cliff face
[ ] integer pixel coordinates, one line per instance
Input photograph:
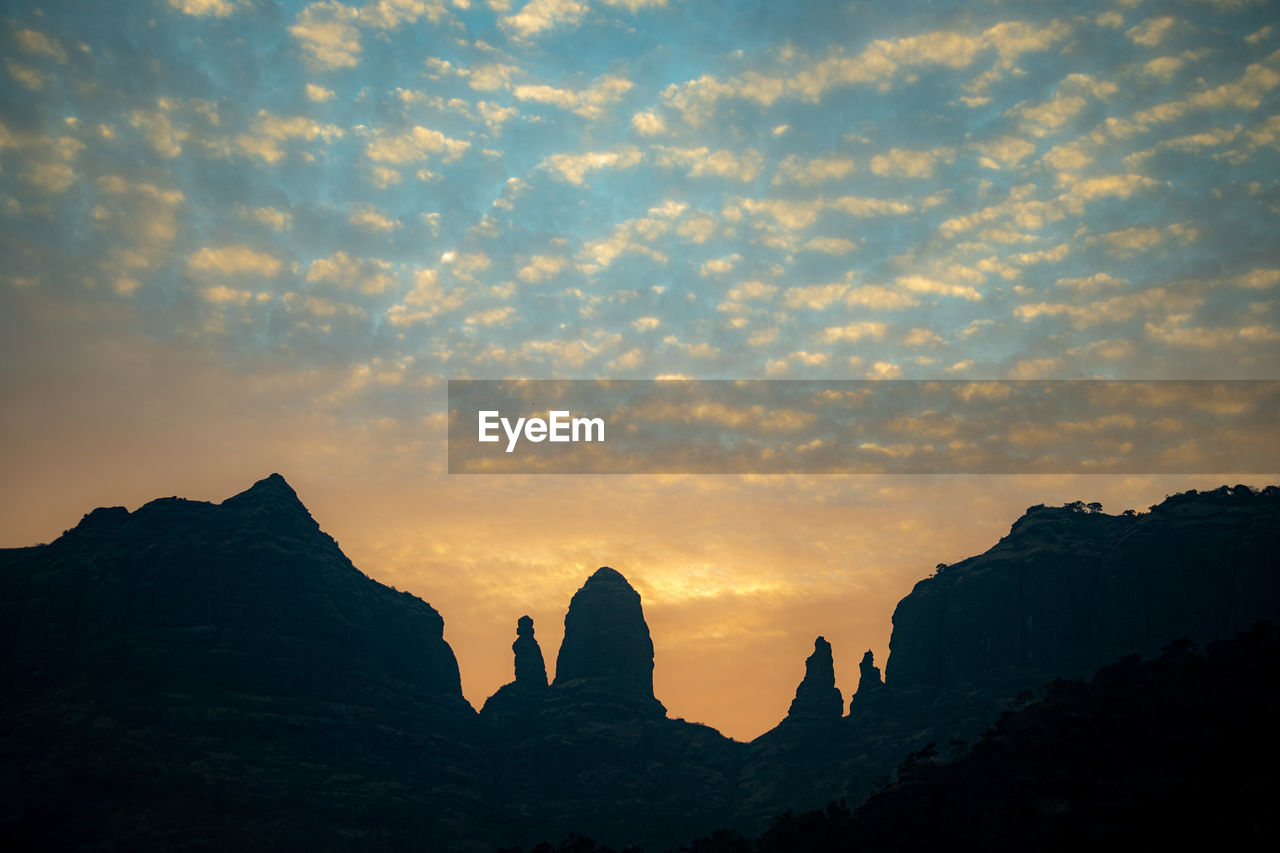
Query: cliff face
(1069, 589)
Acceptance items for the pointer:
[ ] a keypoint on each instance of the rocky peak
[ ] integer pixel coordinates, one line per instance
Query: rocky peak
(869, 674)
(606, 638)
(531, 671)
(817, 696)
(523, 696)
(270, 500)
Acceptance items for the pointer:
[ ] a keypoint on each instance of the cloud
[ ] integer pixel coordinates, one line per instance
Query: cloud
(588, 103)
(427, 299)
(697, 229)
(719, 266)
(864, 207)
(234, 261)
(492, 317)
(159, 132)
(1163, 67)
(574, 167)
(854, 332)
(885, 370)
(220, 294)
(1128, 242)
(1053, 255)
(815, 297)
(50, 162)
(390, 14)
(1091, 282)
(1245, 93)
(1173, 331)
(1258, 279)
(920, 284)
(319, 94)
(807, 173)
(372, 219)
(466, 265)
(542, 267)
(906, 163)
(749, 291)
(921, 338)
(1107, 186)
(702, 162)
(414, 145)
(495, 115)
(33, 41)
(830, 245)
(1151, 31)
(490, 77)
(878, 63)
(1117, 309)
(268, 131)
(629, 237)
(541, 15)
(648, 123)
(28, 77)
(877, 297)
(573, 354)
(634, 6)
(1068, 158)
(369, 276)
(327, 34)
(276, 220)
(1005, 152)
(139, 219)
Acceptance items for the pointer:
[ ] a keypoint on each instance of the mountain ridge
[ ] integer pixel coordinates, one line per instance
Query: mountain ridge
(231, 654)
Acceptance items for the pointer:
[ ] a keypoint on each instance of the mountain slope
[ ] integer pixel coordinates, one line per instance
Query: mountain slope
(201, 676)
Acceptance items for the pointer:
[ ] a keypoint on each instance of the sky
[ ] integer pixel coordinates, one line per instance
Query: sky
(243, 236)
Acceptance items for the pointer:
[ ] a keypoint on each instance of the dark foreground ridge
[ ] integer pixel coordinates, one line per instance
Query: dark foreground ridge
(1160, 754)
(206, 676)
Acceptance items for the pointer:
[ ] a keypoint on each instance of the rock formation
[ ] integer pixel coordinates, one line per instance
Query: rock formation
(869, 674)
(595, 752)
(525, 694)
(531, 672)
(817, 697)
(607, 648)
(1070, 589)
(220, 674)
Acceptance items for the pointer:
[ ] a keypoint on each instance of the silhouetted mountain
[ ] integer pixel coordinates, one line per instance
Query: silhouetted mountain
(1070, 588)
(598, 754)
(1171, 753)
(194, 676)
(251, 586)
(213, 676)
